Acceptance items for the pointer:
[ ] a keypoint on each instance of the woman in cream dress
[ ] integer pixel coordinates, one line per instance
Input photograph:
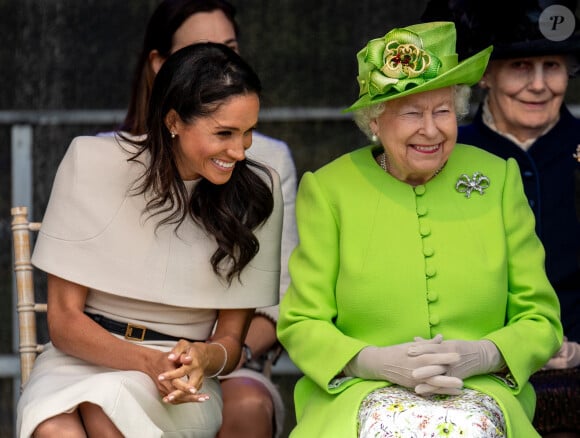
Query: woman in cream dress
(252, 403)
(149, 243)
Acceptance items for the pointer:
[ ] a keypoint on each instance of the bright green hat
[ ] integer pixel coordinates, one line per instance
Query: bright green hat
(411, 60)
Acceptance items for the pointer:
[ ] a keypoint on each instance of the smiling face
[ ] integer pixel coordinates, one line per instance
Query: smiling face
(525, 94)
(418, 133)
(210, 146)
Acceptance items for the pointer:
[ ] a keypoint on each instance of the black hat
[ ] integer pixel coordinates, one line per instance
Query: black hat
(516, 28)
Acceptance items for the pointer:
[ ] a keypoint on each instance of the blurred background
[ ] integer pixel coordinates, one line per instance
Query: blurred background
(66, 68)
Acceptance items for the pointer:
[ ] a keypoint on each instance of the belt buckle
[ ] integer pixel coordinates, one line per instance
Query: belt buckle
(130, 335)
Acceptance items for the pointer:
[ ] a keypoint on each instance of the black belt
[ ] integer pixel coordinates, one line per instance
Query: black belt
(132, 332)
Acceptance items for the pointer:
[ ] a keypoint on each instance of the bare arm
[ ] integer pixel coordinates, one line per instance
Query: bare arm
(74, 333)
(261, 335)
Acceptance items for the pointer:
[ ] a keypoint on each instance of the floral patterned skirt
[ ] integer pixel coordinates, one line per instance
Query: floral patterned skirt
(398, 412)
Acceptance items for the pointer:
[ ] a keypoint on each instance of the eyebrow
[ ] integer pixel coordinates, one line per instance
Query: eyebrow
(232, 128)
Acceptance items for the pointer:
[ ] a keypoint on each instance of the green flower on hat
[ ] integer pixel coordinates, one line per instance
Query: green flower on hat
(404, 60)
(398, 60)
(411, 60)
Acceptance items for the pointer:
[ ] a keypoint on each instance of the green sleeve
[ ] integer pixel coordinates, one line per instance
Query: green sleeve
(533, 332)
(306, 327)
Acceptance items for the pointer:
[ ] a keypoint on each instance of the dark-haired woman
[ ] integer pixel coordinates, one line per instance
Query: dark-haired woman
(252, 403)
(149, 242)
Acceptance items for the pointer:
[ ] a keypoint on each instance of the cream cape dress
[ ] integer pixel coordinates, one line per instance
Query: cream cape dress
(94, 233)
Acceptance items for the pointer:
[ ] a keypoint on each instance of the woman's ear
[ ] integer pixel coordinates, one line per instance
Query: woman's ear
(172, 120)
(155, 60)
(484, 81)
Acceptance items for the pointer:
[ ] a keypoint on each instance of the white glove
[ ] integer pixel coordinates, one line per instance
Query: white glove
(567, 357)
(395, 365)
(475, 357)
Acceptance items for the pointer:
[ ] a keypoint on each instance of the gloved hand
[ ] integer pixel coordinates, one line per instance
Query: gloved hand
(396, 365)
(441, 384)
(567, 357)
(475, 357)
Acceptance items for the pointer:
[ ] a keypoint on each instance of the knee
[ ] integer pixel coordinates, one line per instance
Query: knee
(248, 399)
(47, 428)
(256, 402)
(248, 409)
(60, 426)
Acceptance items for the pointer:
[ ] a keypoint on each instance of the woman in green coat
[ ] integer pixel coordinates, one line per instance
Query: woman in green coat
(418, 303)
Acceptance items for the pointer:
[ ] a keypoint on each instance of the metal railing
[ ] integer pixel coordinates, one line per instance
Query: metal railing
(95, 117)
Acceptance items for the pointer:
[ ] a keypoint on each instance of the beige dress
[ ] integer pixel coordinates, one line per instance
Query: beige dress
(94, 234)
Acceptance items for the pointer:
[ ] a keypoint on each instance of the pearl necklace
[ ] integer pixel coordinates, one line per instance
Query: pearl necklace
(385, 165)
(383, 162)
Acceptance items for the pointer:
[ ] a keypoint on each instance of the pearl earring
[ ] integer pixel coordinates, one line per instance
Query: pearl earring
(374, 138)
(173, 135)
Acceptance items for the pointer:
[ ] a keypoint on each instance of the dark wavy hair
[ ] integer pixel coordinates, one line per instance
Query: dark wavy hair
(164, 22)
(194, 82)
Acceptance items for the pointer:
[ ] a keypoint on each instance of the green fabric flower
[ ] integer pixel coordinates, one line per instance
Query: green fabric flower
(396, 61)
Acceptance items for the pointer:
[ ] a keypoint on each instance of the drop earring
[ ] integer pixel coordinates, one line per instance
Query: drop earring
(173, 135)
(374, 138)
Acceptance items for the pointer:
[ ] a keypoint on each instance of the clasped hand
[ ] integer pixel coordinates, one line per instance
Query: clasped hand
(181, 384)
(429, 366)
(567, 357)
(395, 364)
(474, 358)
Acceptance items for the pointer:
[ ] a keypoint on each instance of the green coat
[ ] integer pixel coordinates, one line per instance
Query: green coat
(380, 262)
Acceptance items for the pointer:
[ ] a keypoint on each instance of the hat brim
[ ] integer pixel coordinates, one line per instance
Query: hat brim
(539, 47)
(467, 72)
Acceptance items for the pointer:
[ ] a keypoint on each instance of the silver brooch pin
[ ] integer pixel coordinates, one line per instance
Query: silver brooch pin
(478, 182)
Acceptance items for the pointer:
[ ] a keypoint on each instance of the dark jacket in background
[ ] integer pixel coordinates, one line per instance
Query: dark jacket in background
(551, 177)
